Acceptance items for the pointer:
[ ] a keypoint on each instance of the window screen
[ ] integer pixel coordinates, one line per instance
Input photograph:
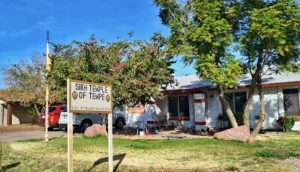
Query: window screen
(236, 101)
(184, 106)
(173, 106)
(229, 98)
(291, 102)
(240, 100)
(179, 106)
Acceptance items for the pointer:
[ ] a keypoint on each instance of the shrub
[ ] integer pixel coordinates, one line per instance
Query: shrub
(288, 123)
(232, 168)
(239, 118)
(267, 154)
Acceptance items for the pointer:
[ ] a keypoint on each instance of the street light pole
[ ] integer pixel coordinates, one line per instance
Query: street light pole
(48, 66)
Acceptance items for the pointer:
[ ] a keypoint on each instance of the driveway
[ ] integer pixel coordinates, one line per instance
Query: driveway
(26, 135)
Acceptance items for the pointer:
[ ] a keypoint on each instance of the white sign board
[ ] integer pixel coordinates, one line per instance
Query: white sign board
(86, 97)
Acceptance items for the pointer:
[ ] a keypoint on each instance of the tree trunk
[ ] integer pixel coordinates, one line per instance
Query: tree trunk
(262, 115)
(227, 108)
(36, 109)
(249, 98)
(37, 112)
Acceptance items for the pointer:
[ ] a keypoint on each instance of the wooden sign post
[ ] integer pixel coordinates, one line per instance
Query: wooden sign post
(110, 144)
(87, 97)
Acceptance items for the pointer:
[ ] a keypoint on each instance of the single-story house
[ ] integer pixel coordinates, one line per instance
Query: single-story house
(194, 102)
(12, 112)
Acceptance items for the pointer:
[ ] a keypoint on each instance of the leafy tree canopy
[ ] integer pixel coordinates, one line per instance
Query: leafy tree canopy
(269, 40)
(202, 31)
(135, 69)
(25, 83)
(270, 35)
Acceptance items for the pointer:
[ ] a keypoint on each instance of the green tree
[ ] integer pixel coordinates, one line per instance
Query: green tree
(25, 83)
(201, 32)
(269, 40)
(135, 69)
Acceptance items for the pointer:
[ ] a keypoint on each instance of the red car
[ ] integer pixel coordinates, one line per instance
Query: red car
(53, 116)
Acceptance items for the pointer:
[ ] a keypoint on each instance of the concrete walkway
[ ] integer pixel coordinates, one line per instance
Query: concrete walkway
(26, 135)
(171, 134)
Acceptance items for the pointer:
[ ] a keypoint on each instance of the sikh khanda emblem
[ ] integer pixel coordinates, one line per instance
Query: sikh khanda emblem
(107, 98)
(75, 95)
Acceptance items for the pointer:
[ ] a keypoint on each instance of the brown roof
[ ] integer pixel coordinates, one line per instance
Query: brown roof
(8, 96)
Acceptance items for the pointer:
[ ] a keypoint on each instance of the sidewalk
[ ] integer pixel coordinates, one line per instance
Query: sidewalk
(26, 135)
(20, 127)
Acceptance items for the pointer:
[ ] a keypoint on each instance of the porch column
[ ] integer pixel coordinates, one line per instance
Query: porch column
(2, 114)
(9, 114)
(199, 104)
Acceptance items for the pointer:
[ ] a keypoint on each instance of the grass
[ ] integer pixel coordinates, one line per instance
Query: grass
(20, 127)
(272, 152)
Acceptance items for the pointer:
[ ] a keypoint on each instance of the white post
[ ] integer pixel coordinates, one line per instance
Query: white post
(70, 131)
(110, 143)
(48, 64)
(46, 114)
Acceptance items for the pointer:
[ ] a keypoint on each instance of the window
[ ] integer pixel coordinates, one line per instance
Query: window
(229, 97)
(173, 106)
(179, 106)
(239, 101)
(51, 109)
(236, 101)
(184, 110)
(291, 102)
(64, 109)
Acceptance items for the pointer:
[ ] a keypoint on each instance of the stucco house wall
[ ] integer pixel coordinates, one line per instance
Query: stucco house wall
(20, 114)
(274, 107)
(273, 97)
(3, 113)
(214, 109)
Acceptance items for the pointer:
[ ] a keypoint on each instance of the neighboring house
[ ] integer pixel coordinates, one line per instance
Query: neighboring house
(12, 112)
(194, 102)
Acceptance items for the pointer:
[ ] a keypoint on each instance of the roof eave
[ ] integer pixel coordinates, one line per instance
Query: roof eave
(206, 89)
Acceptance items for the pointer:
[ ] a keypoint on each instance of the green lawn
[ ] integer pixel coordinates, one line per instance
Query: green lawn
(272, 152)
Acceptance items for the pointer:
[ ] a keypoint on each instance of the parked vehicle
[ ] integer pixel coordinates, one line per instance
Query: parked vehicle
(148, 119)
(42, 117)
(119, 120)
(53, 116)
(80, 121)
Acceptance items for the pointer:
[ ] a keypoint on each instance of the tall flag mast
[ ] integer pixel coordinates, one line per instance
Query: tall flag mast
(48, 67)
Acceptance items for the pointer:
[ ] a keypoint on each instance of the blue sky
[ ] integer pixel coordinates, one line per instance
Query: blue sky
(23, 25)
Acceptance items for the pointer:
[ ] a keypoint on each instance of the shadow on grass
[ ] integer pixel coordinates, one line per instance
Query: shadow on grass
(119, 157)
(4, 168)
(54, 138)
(40, 139)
